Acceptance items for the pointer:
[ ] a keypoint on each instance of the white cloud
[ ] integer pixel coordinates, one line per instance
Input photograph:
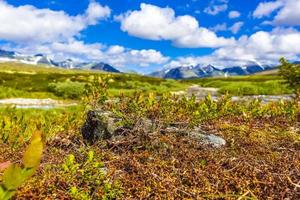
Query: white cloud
(115, 50)
(234, 14)
(287, 12)
(96, 12)
(30, 24)
(262, 47)
(267, 8)
(156, 23)
(216, 7)
(219, 27)
(236, 27)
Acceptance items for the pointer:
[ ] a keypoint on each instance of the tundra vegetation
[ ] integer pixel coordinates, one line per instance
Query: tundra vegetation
(261, 158)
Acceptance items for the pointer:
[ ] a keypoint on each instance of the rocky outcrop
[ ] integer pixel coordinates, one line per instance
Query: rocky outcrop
(105, 125)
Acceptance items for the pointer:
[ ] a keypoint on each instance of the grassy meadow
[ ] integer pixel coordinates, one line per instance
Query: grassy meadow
(259, 84)
(20, 80)
(261, 158)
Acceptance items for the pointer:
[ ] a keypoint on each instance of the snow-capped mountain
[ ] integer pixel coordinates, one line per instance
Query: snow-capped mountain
(200, 71)
(67, 64)
(10, 56)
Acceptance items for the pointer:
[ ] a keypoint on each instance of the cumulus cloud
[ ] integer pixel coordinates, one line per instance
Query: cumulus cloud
(156, 23)
(262, 47)
(287, 12)
(266, 8)
(30, 24)
(234, 14)
(96, 12)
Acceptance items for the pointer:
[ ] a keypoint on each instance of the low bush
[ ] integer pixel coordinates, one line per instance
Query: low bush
(68, 89)
(291, 74)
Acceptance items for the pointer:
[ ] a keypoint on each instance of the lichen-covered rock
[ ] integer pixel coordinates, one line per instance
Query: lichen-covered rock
(99, 125)
(208, 139)
(198, 135)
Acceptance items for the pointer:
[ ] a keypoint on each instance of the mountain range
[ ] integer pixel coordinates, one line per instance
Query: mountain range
(180, 72)
(6, 56)
(201, 71)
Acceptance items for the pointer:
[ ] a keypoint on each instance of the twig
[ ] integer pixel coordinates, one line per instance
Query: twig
(295, 184)
(244, 195)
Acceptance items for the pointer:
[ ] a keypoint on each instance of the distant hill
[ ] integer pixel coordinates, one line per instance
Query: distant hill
(6, 56)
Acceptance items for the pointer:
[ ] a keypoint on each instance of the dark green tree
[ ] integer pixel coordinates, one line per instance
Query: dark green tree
(291, 74)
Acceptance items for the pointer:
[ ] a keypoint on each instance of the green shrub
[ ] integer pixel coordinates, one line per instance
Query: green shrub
(88, 178)
(68, 89)
(291, 74)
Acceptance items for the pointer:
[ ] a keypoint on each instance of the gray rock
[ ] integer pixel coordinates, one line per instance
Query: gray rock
(199, 135)
(99, 125)
(208, 139)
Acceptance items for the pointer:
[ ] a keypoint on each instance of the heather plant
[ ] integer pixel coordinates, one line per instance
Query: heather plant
(14, 175)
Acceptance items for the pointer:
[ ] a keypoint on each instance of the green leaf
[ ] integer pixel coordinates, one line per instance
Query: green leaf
(2, 192)
(33, 153)
(13, 177)
(5, 195)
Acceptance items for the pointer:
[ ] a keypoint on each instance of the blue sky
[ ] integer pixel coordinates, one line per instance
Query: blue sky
(150, 35)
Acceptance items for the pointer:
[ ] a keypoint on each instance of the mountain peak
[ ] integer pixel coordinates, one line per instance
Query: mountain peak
(200, 71)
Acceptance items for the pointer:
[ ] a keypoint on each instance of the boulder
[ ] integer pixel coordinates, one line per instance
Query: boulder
(99, 125)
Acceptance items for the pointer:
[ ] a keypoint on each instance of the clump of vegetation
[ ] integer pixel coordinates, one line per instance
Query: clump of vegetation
(68, 89)
(291, 73)
(14, 176)
(88, 179)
